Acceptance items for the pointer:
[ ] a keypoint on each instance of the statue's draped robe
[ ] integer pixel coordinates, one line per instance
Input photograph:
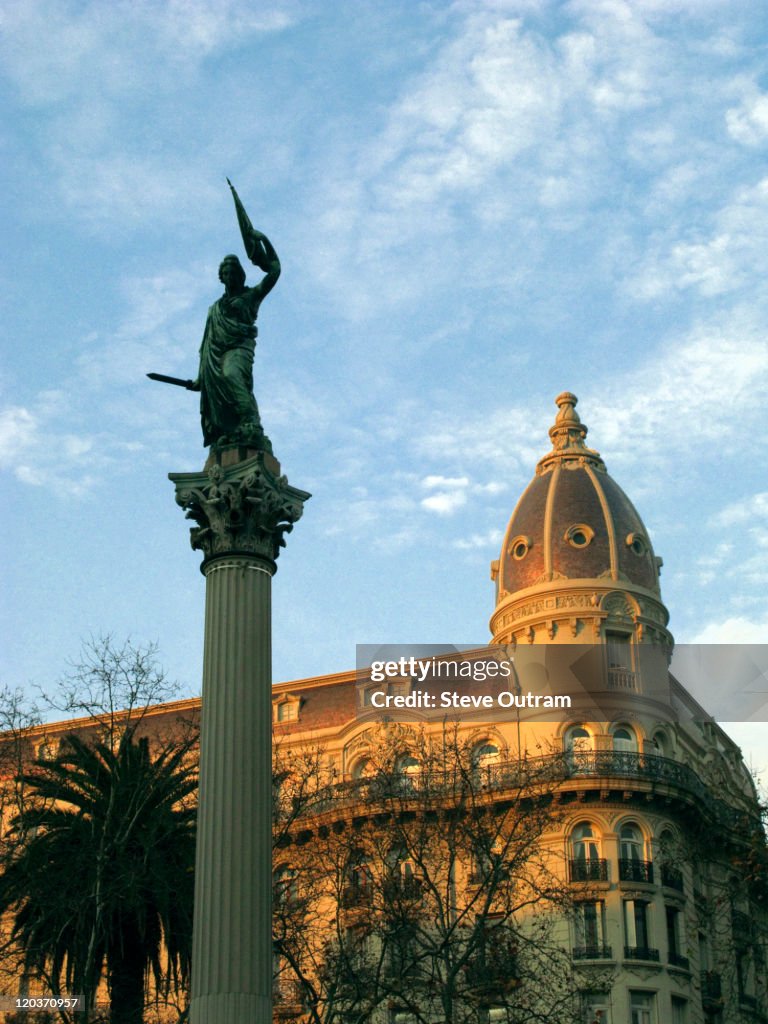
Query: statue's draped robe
(228, 409)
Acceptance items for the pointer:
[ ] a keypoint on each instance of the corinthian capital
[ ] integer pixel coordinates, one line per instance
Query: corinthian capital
(241, 509)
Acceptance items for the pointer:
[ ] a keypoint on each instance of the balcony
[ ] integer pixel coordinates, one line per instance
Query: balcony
(678, 960)
(491, 974)
(593, 953)
(356, 895)
(402, 887)
(650, 769)
(672, 878)
(743, 928)
(621, 679)
(631, 870)
(287, 994)
(711, 988)
(593, 870)
(641, 953)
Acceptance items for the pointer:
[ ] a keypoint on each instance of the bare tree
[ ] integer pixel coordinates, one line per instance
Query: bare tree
(427, 887)
(113, 684)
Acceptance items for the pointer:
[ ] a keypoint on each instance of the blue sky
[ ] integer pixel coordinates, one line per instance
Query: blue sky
(477, 206)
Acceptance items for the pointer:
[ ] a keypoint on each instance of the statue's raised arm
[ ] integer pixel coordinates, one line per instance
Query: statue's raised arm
(258, 248)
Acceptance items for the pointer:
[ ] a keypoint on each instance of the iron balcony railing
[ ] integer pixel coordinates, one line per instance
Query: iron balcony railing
(593, 953)
(631, 870)
(287, 991)
(641, 953)
(711, 987)
(672, 878)
(405, 887)
(678, 960)
(594, 869)
(487, 974)
(743, 928)
(518, 775)
(356, 895)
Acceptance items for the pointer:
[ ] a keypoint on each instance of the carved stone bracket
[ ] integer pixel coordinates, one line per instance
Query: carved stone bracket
(241, 509)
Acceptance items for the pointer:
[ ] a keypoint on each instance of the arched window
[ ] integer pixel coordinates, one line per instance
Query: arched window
(407, 769)
(358, 880)
(631, 843)
(585, 842)
(669, 854)
(283, 886)
(402, 872)
(577, 739)
(661, 746)
(586, 863)
(633, 867)
(624, 739)
(667, 843)
(363, 769)
(485, 754)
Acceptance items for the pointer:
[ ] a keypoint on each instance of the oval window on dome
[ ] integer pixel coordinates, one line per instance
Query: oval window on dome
(579, 535)
(519, 547)
(637, 543)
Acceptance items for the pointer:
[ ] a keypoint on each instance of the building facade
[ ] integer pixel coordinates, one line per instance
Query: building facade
(662, 917)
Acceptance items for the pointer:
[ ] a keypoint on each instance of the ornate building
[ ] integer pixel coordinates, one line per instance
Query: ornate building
(657, 825)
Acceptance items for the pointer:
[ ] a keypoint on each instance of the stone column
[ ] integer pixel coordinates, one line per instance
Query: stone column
(242, 507)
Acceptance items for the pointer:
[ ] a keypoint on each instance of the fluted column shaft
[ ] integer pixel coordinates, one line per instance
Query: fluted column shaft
(232, 951)
(242, 510)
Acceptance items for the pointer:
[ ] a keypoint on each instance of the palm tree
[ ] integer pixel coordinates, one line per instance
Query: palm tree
(103, 873)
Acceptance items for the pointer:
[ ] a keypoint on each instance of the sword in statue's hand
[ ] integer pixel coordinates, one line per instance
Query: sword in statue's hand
(190, 385)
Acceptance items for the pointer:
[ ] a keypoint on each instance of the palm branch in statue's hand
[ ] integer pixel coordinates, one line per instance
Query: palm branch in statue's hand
(257, 246)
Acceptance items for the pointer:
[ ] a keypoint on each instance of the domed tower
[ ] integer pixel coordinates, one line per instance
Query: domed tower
(577, 564)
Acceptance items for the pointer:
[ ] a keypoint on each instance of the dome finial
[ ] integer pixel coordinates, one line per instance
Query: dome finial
(567, 434)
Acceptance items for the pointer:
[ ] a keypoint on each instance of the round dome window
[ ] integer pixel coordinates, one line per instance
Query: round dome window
(520, 547)
(637, 543)
(579, 535)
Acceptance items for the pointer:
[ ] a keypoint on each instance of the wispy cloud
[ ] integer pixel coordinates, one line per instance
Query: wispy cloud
(513, 128)
(102, 79)
(733, 630)
(724, 363)
(748, 122)
(36, 455)
(445, 502)
(730, 255)
(55, 439)
(54, 52)
(479, 541)
(751, 509)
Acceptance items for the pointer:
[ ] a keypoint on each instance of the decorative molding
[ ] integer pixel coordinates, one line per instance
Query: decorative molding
(242, 509)
(617, 604)
(291, 702)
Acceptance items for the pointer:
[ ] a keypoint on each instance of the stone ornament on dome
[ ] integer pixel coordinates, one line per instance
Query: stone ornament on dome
(567, 435)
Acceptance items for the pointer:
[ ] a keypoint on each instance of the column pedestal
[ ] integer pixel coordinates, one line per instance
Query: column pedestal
(243, 508)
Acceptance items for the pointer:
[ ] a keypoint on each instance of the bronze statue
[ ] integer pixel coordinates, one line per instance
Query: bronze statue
(228, 409)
